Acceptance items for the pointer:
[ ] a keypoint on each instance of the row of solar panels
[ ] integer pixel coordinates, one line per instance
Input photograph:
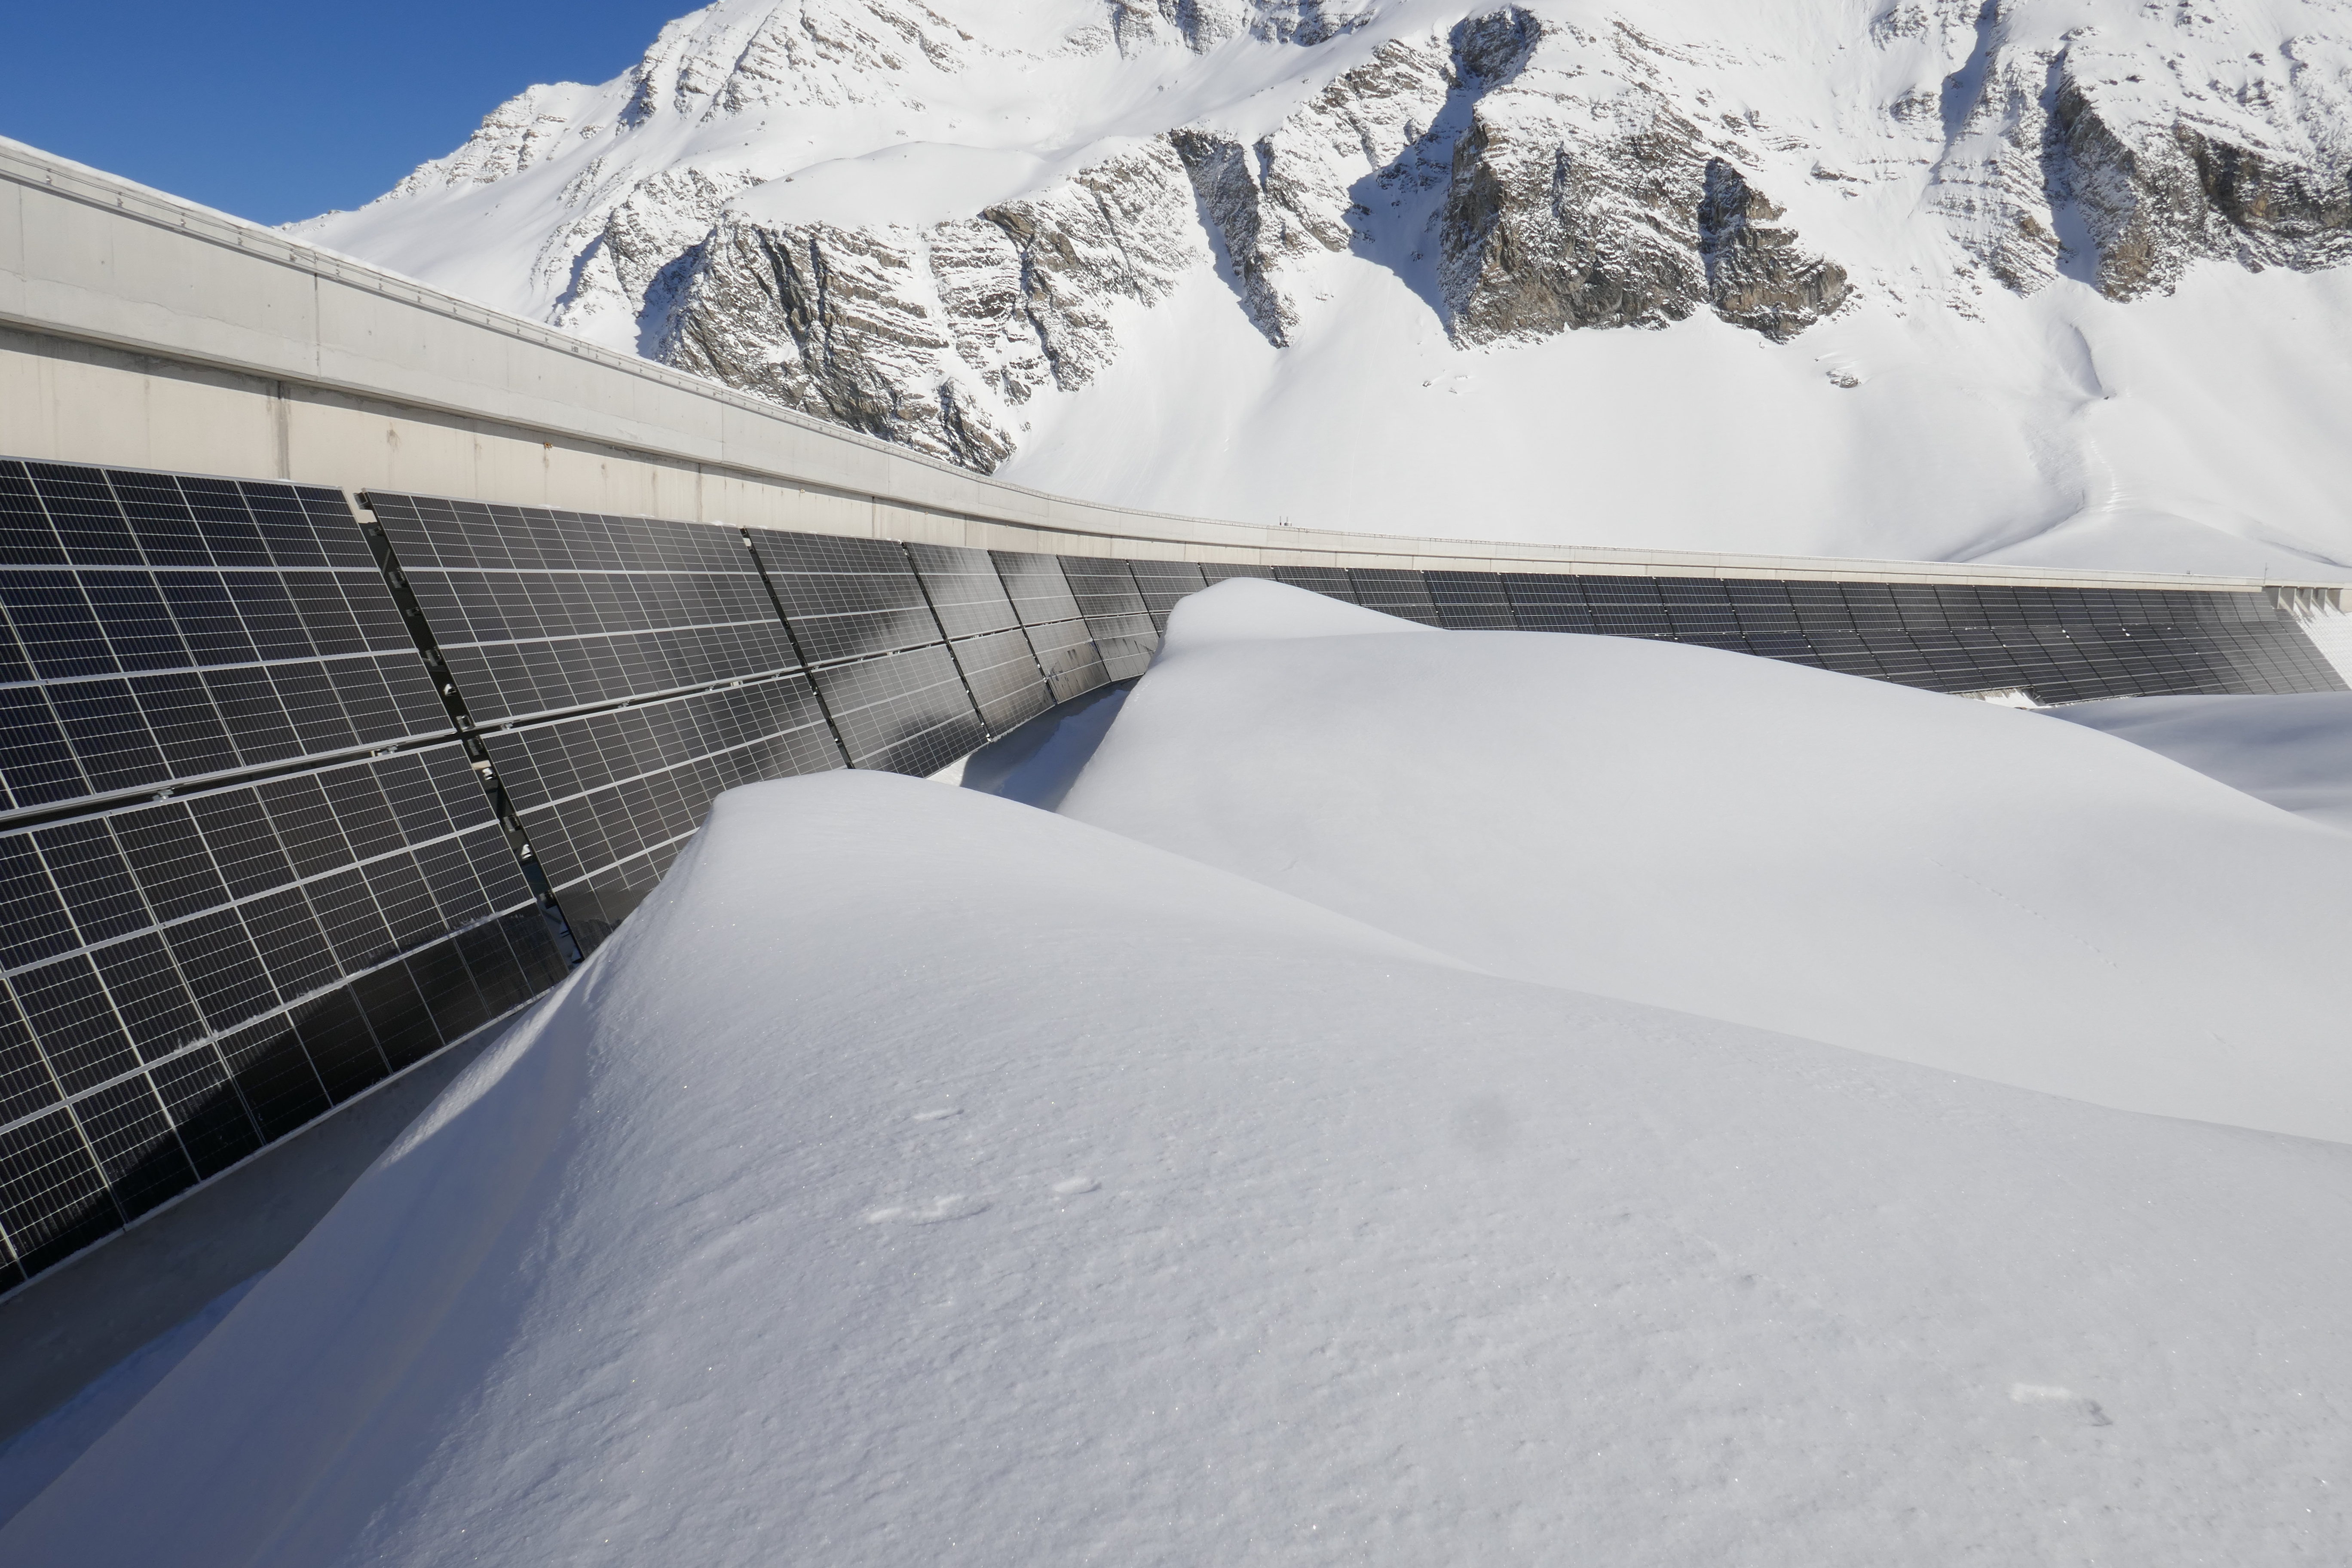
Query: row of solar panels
(293, 799)
(289, 800)
(2062, 645)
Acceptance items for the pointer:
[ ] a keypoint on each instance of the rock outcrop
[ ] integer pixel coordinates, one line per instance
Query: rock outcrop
(1526, 169)
(931, 336)
(2102, 160)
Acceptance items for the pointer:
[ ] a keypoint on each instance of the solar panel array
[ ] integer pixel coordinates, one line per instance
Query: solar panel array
(290, 799)
(1113, 608)
(245, 869)
(1049, 613)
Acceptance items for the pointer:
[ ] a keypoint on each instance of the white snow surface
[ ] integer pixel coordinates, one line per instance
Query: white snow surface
(919, 1176)
(1962, 885)
(2293, 751)
(1940, 415)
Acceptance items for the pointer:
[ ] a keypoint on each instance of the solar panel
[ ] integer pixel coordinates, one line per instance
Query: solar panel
(123, 673)
(966, 593)
(846, 598)
(1543, 603)
(1331, 582)
(540, 613)
(1163, 583)
(1626, 607)
(1057, 633)
(154, 953)
(1470, 601)
(607, 799)
(909, 713)
(1700, 608)
(1116, 618)
(1404, 594)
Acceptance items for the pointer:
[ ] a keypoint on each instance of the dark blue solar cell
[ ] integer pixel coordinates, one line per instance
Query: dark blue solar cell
(292, 948)
(71, 1018)
(25, 537)
(218, 960)
(53, 1201)
(248, 705)
(25, 1085)
(148, 995)
(309, 698)
(274, 1076)
(137, 626)
(285, 526)
(108, 734)
(33, 921)
(180, 715)
(13, 666)
(243, 846)
(337, 528)
(35, 759)
(268, 613)
(89, 870)
(160, 518)
(82, 509)
(55, 624)
(207, 620)
(318, 600)
(227, 527)
(167, 855)
(339, 1046)
(205, 1110)
(398, 1013)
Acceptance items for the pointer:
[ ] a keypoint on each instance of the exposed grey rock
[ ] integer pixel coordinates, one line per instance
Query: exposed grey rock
(840, 323)
(930, 336)
(1756, 276)
(2064, 162)
(1565, 210)
(1288, 195)
(1224, 177)
(1203, 25)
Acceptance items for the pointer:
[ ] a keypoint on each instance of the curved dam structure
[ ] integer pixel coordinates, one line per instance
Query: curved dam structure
(369, 655)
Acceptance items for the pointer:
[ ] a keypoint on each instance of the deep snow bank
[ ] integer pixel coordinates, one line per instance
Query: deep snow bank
(920, 1176)
(1899, 871)
(2293, 751)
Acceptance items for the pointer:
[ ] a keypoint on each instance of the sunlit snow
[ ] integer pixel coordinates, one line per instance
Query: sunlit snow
(919, 1176)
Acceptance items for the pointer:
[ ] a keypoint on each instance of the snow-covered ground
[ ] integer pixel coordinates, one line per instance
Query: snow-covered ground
(921, 1176)
(2293, 751)
(1956, 883)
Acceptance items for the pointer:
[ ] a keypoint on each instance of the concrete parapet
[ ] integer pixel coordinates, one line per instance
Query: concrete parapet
(140, 330)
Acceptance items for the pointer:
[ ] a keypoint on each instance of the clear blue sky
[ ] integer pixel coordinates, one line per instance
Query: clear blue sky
(275, 111)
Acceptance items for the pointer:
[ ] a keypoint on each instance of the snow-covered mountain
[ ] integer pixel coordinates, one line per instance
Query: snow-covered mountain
(2055, 281)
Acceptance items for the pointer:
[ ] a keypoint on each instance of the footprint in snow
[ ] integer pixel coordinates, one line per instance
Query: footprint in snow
(955, 1205)
(2065, 1398)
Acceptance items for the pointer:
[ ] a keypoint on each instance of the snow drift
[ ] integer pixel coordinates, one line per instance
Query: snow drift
(1955, 883)
(2293, 751)
(921, 1175)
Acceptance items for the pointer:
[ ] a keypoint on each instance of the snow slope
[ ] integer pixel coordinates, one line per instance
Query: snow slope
(1010, 1192)
(2293, 751)
(1957, 884)
(2054, 281)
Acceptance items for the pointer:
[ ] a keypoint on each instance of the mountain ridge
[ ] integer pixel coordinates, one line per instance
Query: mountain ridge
(1191, 255)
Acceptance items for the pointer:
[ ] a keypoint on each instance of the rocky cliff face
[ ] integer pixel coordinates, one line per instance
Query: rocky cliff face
(1530, 170)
